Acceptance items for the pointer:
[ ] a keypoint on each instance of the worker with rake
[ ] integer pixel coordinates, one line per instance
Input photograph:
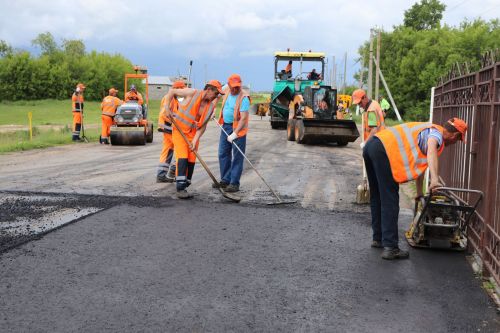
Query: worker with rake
(166, 170)
(397, 155)
(77, 108)
(191, 118)
(108, 107)
(234, 120)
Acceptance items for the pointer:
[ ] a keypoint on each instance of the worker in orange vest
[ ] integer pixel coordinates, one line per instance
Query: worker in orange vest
(373, 116)
(134, 95)
(192, 117)
(108, 107)
(397, 155)
(234, 120)
(166, 169)
(77, 108)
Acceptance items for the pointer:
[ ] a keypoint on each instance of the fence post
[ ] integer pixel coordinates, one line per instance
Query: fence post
(30, 117)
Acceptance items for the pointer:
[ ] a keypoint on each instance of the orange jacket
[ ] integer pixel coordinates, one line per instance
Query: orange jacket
(77, 102)
(109, 105)
(288, 68)
(373, 107)
(134, 96)
(401, 146)
(237, 113)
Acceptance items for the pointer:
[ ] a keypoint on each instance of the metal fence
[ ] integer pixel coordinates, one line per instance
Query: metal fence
(475, 97)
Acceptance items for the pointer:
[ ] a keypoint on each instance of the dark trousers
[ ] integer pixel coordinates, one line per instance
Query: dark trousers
(230, 159)
(384, 193)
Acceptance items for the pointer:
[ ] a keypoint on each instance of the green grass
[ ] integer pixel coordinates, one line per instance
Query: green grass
(20, 140)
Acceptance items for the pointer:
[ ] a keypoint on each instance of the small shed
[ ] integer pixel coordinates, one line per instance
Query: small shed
(158, 86)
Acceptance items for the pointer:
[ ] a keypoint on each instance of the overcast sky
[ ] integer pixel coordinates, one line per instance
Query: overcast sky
(221, 36)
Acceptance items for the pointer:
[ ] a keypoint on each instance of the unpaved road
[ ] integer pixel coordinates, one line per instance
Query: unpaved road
(135, 259)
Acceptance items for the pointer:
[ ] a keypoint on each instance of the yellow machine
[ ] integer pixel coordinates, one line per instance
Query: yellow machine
(344, 102)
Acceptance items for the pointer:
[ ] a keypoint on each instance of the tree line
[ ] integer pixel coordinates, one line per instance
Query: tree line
(418, 52)
(55, 72)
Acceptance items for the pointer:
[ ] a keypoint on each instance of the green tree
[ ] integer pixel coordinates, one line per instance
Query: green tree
(74, 47)
(424, 15)
(46, 43)
(5, 49)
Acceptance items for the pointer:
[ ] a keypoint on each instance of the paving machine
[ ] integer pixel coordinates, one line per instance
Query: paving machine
(131, 124)
(305, 106)
(441, 219)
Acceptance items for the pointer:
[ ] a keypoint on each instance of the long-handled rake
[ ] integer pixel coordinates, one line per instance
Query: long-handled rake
(226, 195)
(280, 201)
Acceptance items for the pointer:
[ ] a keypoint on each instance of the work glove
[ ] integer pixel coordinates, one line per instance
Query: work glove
(362, 145)
(231, 137)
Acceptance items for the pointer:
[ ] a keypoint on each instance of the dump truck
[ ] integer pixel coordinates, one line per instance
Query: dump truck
(304, 105)
(131, 124)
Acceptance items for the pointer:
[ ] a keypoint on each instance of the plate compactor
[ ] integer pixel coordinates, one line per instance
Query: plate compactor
(131, 124)
(441, 219)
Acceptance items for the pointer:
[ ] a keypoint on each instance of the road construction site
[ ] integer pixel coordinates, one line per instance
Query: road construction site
(90, 242)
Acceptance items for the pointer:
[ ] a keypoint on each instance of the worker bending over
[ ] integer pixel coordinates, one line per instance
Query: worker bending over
(108, 107)
(373, 116)
(234, 119)
(77, 108)
(192, 117)
(397, 155)
(134, 95)
(166, 170)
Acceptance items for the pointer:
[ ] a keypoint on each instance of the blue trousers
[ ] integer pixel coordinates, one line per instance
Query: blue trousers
(230, 159)
(384, 193)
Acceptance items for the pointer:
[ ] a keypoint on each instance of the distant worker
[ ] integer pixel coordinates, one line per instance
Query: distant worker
(77, 108)
(166, 169)
(384, 105)
(234, 119)
(192, 117)
(108, 107)
(373, 117)
(134, 95)
(313, 75)
(397, 155)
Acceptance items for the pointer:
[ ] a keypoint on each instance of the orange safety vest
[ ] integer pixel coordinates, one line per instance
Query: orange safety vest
(237, 113)
(401, 146)
(373, 107)
(134, 96)
(77, 102)
(109, 105)
(288, 68)
(189, 117)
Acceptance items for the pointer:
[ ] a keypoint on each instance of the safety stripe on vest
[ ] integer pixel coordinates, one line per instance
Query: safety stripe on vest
(187, 111)
(184, 121)
(211, 108)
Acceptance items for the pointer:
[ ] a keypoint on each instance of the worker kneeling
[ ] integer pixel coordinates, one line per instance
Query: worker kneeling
(234, 120)
(166, 169)
(191, 118)
(397, 155)
(108, 107)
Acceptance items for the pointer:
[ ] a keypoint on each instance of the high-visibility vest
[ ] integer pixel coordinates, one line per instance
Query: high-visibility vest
(109, 105)
(237, 113)
(164, 124)
(401, 146)
(77, 102)
(375, 108)
(189, 117)
(134, 96)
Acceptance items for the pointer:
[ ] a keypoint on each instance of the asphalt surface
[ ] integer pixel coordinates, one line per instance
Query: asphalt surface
(147, 262)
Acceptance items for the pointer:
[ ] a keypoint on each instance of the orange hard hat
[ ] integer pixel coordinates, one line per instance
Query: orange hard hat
(216, 84)
(460, 126)
(178, 85)
(357, 95)
(234, 81)
(112, 91)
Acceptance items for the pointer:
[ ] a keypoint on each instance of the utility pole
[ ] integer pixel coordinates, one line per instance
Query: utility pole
(345, 73)
(370, 67)
(333, 82)
(377, 75)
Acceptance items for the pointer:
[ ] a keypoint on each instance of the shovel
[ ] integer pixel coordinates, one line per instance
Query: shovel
(280, 201)
(226, 195)
(363, 192)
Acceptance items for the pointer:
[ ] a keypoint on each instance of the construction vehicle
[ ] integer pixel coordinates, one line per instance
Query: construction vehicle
(305, 106)
(344, 102)
(441, 219)
(131, 124)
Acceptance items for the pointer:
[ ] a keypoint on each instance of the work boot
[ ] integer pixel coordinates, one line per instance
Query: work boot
(171, 175)
(183, 194)
(162, 179)
(220, 185)
(377, 244)
(391, 253)
(231, 188)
